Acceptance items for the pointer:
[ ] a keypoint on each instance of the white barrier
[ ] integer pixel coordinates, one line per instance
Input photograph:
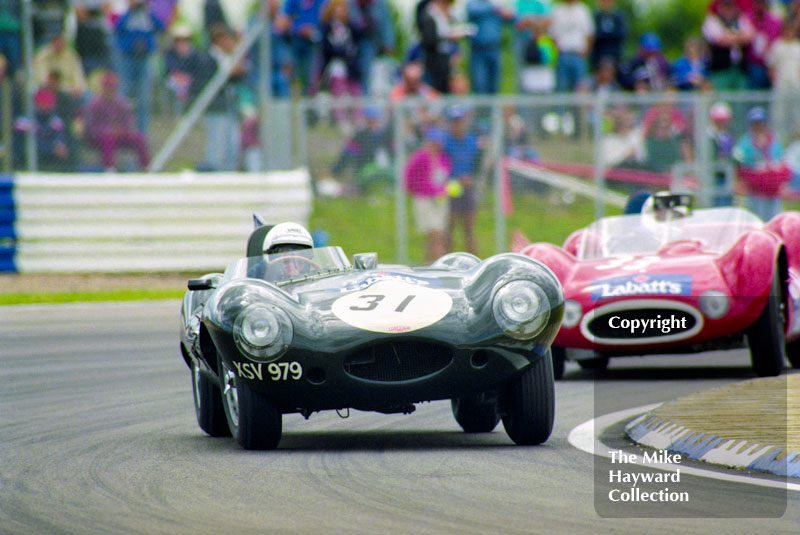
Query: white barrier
(148, 222)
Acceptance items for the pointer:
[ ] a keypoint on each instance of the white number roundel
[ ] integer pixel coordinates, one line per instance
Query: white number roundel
(391, 306)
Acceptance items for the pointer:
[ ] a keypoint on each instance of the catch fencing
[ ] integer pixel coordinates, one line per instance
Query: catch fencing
(186, 222)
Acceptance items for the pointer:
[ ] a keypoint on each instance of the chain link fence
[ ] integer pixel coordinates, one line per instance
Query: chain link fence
(410, 178)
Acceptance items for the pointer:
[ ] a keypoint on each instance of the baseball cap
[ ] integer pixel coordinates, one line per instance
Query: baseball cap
(757, 115)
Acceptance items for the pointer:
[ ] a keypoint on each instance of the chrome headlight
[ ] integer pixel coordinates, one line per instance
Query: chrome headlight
(573, 312)
(714, 304)
(521, 309)
(262, 333)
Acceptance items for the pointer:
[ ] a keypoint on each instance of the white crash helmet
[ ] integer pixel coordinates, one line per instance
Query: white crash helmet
(665, 206)
(287, 237)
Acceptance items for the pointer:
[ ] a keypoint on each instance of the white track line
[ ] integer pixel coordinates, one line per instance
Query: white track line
(585, 437)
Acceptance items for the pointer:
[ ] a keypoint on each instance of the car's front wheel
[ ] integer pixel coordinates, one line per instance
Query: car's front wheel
(254, 421)
(766, 337)
(475, 414)
(529, 404)
(208, 404)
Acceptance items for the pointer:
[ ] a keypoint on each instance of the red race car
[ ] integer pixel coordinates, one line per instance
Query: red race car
(674, 280)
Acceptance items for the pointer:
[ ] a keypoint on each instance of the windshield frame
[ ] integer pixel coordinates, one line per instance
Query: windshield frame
(640, 234)
(331, 261)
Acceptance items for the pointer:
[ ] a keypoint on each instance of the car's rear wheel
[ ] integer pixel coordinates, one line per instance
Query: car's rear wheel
(475, 414)
(254, 421)
(559, 355)
(529, 404)
(208, 404)
(766, 337)
(596, 363)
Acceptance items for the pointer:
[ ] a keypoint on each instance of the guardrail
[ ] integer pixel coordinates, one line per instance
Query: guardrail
(59, 223)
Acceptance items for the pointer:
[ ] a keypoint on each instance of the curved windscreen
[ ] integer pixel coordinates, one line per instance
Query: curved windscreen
(291, 265)
(713, 229)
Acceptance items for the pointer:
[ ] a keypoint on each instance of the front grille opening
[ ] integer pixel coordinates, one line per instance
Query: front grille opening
(398, 361)
(615, 325)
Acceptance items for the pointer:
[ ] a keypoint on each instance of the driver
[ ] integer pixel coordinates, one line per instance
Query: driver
(279, 243)
(667, 206)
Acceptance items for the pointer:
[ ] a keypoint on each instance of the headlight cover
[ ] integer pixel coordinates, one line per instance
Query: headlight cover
(521, 309)
(714, 304)
(573, 312)
(262, 333)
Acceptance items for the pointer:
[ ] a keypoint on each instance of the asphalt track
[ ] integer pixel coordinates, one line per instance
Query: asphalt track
(98, 435)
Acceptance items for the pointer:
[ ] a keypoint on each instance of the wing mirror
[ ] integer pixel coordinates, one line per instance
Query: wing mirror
(201, 284)
(364, 261)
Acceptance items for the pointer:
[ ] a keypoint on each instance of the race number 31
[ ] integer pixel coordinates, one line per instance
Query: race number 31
(393, 307)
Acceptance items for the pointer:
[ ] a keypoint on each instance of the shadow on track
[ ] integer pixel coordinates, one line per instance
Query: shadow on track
(362, 440)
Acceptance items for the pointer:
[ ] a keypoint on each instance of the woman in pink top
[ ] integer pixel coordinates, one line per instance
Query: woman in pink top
(426, 173)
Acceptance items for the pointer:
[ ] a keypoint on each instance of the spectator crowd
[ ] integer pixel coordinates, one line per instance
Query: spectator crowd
(98, 63)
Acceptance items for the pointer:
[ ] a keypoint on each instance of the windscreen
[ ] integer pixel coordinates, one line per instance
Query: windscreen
(291, 265)
(714, 229)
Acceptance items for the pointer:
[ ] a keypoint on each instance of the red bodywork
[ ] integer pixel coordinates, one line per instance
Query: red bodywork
(672, 280)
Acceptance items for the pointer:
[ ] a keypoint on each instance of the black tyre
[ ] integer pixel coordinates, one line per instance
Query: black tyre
(475, 415)
(254, 421)
(597, 363)
(529, 404)
(766, 337)
(793, 354)
(208, 404)
(559, 355)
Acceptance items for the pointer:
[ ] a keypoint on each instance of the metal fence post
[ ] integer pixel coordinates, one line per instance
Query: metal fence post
(302, 134)
(702, 149)
(599, 108)
(401, 217)
(7, 136)
(265, 86)
(30, 87)
(498, 150)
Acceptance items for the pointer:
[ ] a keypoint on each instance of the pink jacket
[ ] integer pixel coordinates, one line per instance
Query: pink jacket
(420, 174)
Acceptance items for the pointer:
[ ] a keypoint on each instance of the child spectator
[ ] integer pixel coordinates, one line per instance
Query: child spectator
(51, 143)
(723, 141)
(137, 32)
(67, 107)
(728, 33)
(188, 69)
(110, 124)
(758, 154)
(604, 79)
(537, 74)
(411, 85)
(517, 141)
(784, 65)
(339, 52)
(690, 71)
(648, 63)
(624, 145)
(58, 56)
(665, 130)
(426, 174)
(368, 153)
